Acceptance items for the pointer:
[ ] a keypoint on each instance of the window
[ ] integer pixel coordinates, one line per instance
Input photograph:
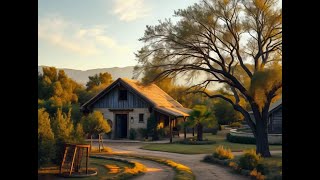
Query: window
(122, 94)
(141, 118)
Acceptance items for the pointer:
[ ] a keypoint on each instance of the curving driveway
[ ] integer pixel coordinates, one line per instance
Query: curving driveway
(202, 171)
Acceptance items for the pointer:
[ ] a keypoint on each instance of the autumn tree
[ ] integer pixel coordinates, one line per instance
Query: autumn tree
(99, 81)
(63, 130)
(57, 90)
(45, 138)
(95, 124)
(220, 39)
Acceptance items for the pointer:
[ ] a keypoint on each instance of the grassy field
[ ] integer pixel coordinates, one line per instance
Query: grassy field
(204, 149)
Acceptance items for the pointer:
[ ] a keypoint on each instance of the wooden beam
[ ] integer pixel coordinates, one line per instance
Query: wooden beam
(112, 110)
(87, 159)
(184, 128)
(170, 126)
(64, 158)
(74, 155)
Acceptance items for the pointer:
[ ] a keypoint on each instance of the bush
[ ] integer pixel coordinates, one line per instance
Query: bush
(262, 168)
(215, 131)
(213, 160)
(249, 160)
(143, 132)
(236, 125)
(257, 175)
(132, 134)
(222, 153)
(188, 141)
(161, 132)
(242, 140)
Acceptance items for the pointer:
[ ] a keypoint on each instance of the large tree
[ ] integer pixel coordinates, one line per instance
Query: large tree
(234, 42)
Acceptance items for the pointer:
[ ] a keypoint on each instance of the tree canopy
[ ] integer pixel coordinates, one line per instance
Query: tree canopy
(235, 43)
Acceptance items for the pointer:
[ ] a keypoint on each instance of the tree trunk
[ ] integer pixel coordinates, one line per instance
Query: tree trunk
(90, 142)
(262, 144)
(199, 132)
(99, 142)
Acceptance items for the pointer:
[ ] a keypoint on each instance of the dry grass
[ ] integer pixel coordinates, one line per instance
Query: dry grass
(113, 169)
(223, 153)
(182, 172)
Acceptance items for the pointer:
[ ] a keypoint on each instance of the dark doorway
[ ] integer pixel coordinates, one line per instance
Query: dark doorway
(121, 125)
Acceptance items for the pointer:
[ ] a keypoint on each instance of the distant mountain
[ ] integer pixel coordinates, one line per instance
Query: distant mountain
(82, 76)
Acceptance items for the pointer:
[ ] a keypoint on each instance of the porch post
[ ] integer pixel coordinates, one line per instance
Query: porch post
(170, 126)
(184, 128)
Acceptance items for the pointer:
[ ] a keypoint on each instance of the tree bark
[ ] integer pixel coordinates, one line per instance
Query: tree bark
(262, 143)
(199, 132)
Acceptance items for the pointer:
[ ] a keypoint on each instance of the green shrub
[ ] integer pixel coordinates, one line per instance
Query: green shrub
(188, 141)
(223, 153)
(249, 160)
(214, 131)
(132, 134)
(143, 132)
(236, 125)
(262, 168)
(242, 140)
(208, 158)
(161, 132)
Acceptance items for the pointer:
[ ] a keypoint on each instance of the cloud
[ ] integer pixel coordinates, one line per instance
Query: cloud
(130, 10)
(74, 38)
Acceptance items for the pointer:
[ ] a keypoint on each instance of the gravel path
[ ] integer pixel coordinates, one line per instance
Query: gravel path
(202, 171)
(155, 171)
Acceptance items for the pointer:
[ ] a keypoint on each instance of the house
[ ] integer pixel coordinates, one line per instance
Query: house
(128, 104)
(274, 117)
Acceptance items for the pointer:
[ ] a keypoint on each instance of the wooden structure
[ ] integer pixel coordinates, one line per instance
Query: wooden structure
(72, 158)
(129, 104)
(100, 141)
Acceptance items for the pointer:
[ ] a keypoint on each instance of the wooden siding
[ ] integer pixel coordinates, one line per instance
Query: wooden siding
(275, 123)
(110, 100)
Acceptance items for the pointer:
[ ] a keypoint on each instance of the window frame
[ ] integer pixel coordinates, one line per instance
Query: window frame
(121, 95)
(140, 118)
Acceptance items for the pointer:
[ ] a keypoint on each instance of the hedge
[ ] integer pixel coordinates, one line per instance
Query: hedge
(239, 139)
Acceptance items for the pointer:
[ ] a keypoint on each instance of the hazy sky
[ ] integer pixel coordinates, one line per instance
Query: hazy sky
(88, 34)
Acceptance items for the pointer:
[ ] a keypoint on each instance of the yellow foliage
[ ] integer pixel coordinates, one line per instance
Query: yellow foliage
(222, 153)
(226, 2)
(138, 167)
(233, 165)
(113, 169)
(257, 175)
(263, 82)
(180, 167)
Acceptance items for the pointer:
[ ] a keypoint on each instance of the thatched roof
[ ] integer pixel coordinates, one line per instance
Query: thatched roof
(159, 99)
